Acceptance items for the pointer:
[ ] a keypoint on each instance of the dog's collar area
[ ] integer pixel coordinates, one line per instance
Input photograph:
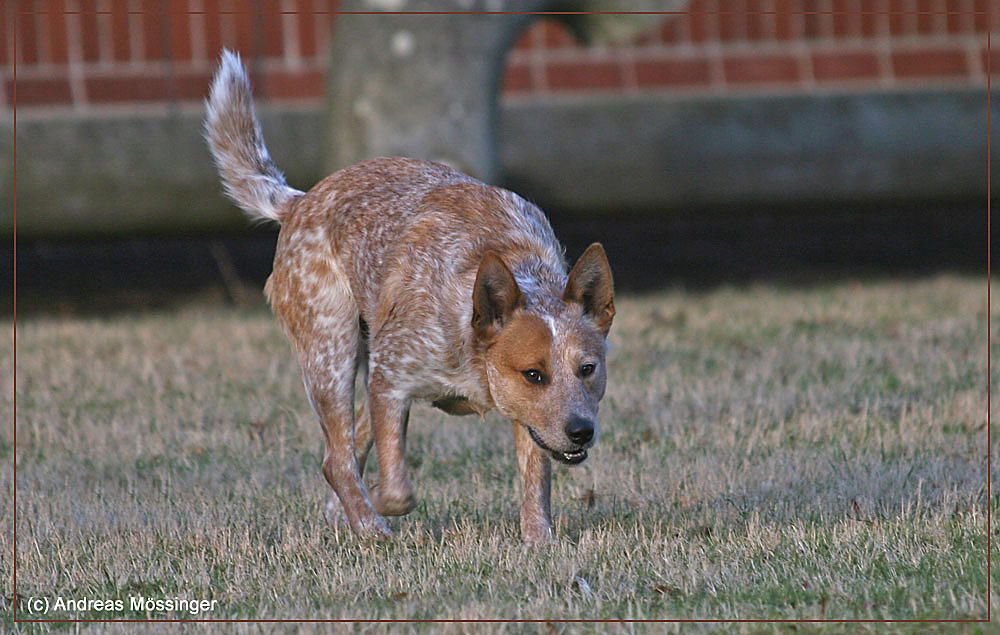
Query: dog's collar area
(569, 458)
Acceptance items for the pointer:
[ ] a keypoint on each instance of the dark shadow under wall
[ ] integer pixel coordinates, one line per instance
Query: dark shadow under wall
(646, 251)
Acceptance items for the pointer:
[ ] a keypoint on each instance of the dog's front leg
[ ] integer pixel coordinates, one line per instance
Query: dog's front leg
(393, 495)
(535, 469)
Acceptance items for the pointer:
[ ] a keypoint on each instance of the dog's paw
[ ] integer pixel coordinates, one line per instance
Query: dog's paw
(392, 503)
(334, 514)
(537, 535)
(373, 528)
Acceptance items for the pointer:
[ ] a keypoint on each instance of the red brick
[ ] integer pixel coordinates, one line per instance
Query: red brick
(760, 69)
(811, 26)
(671, 30)
(179, 23)
(784, 28)
(88, 30)
(555, 35)
(120, 30)
(4, 42)
(981, 20)
(306, 27)
(872, 23)
(929, 63)
(671, 72)
(756, 21)
(732, 23)
(956, 22)
(104, 34)
(243, 28)
(843, 18)
(697, 21)
(526, 40)
(147, 88)
(845, 66)
(213, 28)
(42, 91)
(584, 75)
(926, 20)
(841, 25)
(189, 87)
(124, 89)
(991, 60)
(516, 78)
(327, 20)
(812, 22)
(267, 28)
(153, 29)
(898, 20)
(56, 35)
(27, 36)
(299, 85)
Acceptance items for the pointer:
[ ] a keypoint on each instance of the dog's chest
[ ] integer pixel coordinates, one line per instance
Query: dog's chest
(452, 392)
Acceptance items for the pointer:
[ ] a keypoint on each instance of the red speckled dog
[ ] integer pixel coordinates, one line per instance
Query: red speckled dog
(438, 287)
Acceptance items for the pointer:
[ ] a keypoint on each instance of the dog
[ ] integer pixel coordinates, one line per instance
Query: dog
(436, 287)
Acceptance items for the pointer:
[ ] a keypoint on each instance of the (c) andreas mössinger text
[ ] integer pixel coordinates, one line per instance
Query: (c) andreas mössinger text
(135, 603)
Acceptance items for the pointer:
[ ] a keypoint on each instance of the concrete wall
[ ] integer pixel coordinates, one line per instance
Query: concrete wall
(138, 173)
(749, 151)
(150, 173)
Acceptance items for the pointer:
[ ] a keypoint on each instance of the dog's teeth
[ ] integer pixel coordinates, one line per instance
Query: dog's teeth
(571, 457)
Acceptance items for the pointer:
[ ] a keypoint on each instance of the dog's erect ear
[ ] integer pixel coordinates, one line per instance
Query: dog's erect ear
(495, 294)
(590, 284)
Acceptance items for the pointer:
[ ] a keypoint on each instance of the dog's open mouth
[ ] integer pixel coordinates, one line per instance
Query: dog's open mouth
(569, 458)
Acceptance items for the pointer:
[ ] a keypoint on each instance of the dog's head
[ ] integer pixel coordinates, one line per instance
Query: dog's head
(545, 361)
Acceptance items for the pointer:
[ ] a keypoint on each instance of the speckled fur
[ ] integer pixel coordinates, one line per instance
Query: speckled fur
(461, 287)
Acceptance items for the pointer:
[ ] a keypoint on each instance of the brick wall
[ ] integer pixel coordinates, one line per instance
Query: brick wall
(747, 45)
(89, 54)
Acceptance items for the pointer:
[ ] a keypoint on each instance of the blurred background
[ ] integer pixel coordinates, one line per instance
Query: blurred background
(734, 140)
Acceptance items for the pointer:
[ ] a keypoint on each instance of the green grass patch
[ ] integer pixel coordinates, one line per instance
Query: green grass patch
(765, 452)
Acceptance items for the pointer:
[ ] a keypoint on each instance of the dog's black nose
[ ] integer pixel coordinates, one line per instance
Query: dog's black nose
(579, 430)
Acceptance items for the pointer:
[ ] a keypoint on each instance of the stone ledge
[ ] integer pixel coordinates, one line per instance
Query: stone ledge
(151, 173)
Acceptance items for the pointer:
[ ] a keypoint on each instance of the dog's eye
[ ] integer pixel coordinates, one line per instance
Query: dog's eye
(587, 369)
(533, 376)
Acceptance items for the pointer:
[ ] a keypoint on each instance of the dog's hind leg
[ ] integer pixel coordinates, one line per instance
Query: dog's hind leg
(312, 298)
(363, 436)
(389, 414)
(340, 461)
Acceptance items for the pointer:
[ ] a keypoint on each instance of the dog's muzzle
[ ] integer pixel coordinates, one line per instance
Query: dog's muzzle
(569, 458)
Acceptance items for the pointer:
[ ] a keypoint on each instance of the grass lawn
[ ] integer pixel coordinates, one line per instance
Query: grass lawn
(769, 451)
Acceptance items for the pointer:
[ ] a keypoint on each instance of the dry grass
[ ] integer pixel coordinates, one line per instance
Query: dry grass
(766, 452)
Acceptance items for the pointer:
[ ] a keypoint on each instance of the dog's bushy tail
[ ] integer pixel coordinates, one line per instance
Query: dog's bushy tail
(232, 130)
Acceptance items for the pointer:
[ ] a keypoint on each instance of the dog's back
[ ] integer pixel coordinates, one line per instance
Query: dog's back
(395, 220)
